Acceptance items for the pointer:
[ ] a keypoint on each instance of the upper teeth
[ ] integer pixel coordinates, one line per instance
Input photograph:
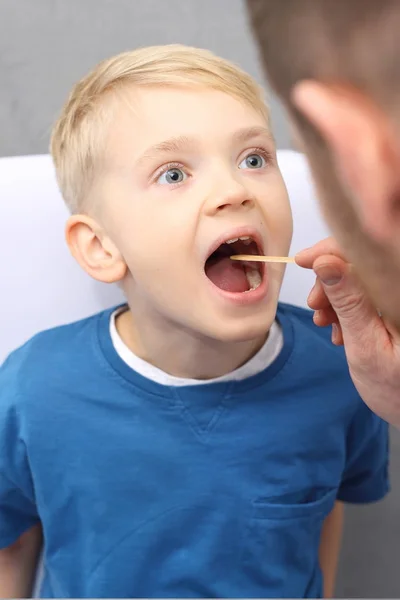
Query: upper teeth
(246, 239)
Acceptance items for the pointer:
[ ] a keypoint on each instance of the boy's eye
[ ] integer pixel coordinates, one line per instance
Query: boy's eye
(173, 175)
(253, 161)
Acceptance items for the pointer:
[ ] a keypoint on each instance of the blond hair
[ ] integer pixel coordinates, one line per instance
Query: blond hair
(78, 135)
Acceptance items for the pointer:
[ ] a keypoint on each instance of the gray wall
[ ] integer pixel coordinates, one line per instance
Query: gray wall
(45, 46)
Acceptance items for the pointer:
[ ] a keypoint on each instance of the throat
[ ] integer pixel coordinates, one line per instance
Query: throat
(186, 355)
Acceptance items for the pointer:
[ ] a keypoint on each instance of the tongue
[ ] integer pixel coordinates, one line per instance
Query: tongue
(227, 275)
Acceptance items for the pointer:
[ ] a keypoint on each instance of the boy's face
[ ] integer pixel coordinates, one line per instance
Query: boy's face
(186, 171)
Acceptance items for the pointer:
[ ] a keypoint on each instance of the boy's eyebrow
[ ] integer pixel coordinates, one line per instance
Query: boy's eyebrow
(178, 144)
(249, 133)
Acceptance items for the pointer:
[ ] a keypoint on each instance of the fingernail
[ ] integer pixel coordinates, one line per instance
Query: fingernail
(329, 275)
(335, 332)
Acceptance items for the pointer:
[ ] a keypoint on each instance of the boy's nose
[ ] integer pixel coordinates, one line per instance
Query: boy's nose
(233, 197)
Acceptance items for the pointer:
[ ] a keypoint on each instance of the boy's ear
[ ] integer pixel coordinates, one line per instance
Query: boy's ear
(93, 249)
(364, 149)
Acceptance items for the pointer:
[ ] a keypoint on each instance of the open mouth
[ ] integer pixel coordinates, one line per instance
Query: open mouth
(231, 276)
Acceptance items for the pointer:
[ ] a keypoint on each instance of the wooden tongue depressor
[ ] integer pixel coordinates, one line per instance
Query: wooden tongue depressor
(268, 259)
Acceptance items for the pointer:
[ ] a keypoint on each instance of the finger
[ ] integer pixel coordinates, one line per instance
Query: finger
(325, 320)
(337, 335)
(356, 314)
(328, 246)
(325, 317)
(318, 299)
(313, 297)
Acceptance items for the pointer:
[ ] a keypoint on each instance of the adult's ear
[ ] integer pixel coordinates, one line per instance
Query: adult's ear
(364, 148)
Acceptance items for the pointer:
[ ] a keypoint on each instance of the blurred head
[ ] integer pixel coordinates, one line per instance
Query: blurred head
(335, 66)
(166, 159)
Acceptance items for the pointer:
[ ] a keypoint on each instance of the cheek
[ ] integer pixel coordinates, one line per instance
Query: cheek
(137, 223)
(155, 259)
(278, 219)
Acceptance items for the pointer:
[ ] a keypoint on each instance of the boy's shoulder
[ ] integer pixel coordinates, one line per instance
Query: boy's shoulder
(296, 313)
(317, 372)
(304, 314)
(52, 355)
(305, 332)
(314, 359)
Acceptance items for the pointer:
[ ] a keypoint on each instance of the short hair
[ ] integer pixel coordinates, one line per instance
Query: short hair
(332, 41)
(77, 141)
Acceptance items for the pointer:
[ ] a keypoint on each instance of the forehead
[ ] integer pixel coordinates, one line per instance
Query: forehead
(144, 117)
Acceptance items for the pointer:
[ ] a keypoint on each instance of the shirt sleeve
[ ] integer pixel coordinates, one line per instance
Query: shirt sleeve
(365, 477)
(17, 504)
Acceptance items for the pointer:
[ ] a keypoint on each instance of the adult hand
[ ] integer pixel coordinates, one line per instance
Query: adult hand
(372, 346)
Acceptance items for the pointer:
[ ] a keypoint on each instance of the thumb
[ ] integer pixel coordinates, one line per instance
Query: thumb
(355, 312)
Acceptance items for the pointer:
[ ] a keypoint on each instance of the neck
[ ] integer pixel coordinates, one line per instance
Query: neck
(179, 352)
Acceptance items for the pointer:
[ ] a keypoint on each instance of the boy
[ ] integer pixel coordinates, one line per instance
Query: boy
(195, 442)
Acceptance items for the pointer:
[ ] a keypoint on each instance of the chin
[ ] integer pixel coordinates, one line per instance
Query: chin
(243, 328)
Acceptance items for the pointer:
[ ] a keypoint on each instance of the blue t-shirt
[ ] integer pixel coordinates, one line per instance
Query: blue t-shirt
(145, 490)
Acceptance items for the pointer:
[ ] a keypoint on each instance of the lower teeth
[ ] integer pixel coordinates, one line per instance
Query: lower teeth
(253, 278)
